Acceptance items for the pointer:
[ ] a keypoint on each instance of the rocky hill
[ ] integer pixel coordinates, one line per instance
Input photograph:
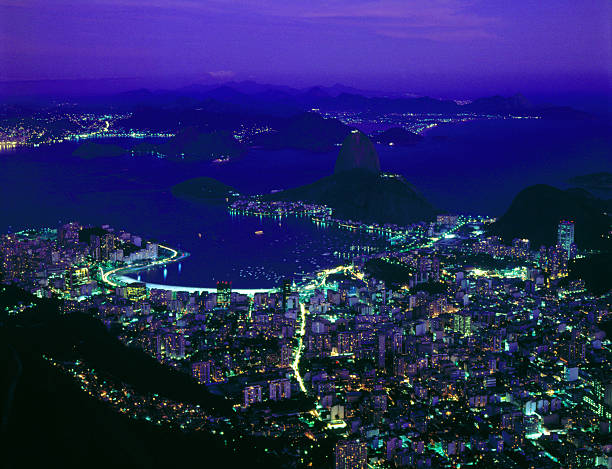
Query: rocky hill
(536, 211)
(359, 191)
(357, 152)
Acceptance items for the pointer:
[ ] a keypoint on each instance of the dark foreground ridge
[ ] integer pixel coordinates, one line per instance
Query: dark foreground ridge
(42, 404)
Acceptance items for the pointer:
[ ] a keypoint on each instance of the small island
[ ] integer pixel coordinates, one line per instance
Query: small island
(194, 144)
(205, 189)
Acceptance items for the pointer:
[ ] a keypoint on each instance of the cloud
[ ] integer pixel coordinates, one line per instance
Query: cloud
(221, 74)
(439, 36)
(436, 20)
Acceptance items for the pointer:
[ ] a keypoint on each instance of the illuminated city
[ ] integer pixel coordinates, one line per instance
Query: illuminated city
(252, 264)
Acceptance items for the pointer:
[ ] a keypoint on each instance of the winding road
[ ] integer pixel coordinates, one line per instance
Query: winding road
(107, 277)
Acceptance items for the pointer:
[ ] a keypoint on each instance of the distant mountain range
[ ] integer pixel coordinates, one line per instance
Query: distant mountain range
(284, 117)
(248, 97)
(204, 117)
(595, 181)
(536, 211)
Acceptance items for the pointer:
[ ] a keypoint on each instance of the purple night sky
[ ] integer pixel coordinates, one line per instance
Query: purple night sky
(438, 47)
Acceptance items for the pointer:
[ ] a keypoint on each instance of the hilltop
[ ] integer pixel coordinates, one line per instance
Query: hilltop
(357, 152)
(536, 211)
(304, 131)
(191, 143)
(203, 188)
(362, 195)
(358, 191)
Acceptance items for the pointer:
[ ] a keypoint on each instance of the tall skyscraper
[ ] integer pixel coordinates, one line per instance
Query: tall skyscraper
(351, 454)
(286, 355)
(69, 233)
(224, 293)
(382, 348)
(543, 258)
(599, 394)
(557, 261)
(565, 236)
(462, 323)
(286, 291)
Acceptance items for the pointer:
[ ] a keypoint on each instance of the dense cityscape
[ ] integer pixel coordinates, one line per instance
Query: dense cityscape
(380, 357)
(348, 234)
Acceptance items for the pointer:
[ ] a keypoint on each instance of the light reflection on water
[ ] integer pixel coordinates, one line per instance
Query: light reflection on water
(477, 167)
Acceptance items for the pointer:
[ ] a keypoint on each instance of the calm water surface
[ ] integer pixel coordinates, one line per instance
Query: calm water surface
(473, 167)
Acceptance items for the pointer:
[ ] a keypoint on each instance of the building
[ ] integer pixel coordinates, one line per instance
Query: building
(543, 258)
(69, 233)
(252, 394)
(557, 261)
(521, 248)
(224, 294)
(462, 323)
(107, 245)
(565, 236)
(280, 389)
(286, 355)
(446, 219)
(76, 276)
(351, 454)
(599, 395)
(286, 291)
(174, 345)
(201, 372)
(136, 291)
(347, 342)
(382, 348)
